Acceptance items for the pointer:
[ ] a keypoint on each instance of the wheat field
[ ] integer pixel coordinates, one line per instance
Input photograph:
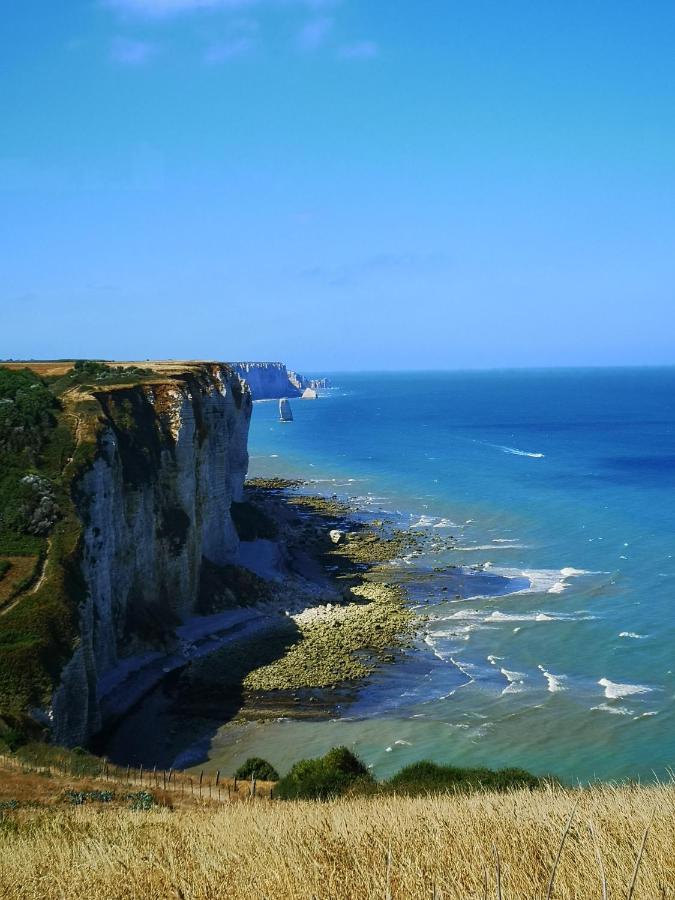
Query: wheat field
(390, 848)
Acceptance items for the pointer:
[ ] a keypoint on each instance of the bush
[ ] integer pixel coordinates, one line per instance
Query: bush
(258, 768)
(428, 777)
(140, 800)
(332, 775)
(12, 738)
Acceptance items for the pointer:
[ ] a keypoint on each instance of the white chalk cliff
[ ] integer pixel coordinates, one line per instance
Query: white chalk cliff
(266, 380)
(170, 458)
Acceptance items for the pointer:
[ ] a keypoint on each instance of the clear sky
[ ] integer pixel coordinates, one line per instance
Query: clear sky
(340, 185)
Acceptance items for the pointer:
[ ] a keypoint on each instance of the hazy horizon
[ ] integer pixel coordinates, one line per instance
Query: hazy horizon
(477, 185)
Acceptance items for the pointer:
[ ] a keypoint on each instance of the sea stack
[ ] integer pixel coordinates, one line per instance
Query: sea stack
(309, 394)
(285, 411)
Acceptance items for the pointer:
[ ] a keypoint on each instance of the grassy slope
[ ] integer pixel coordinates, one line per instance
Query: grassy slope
(398, 847)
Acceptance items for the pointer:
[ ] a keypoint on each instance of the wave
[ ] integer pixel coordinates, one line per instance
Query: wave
(615, 691)
(476, 615)
(615, 710)
(555, 682)
(491, 547)
(516, 680)
(541, 581)
(514, 451)
(632, 634)
(427, 521)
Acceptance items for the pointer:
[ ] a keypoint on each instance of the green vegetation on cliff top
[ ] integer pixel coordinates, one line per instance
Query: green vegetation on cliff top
(38, 523)
(41, 458)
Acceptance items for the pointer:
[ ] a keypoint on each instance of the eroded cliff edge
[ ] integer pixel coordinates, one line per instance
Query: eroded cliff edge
(148, 488)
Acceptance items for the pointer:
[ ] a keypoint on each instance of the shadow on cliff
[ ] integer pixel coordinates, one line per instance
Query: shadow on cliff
(173, 724)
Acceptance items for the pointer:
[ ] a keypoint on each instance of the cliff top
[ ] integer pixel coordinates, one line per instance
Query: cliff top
(57, 367)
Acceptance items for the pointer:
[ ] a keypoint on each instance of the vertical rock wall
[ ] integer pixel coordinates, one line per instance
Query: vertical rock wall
(171, 458)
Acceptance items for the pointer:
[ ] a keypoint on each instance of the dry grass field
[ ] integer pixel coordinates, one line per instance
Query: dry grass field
(389, 848)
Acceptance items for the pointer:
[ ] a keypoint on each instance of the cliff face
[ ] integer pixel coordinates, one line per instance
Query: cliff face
(267, 380)
(171, 456)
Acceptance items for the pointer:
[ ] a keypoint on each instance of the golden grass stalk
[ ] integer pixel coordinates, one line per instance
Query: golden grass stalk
(407, 848)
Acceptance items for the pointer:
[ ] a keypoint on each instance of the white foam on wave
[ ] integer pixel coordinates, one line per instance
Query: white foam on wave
(424, 522)
(614, 710)
(541, 581)
(496, 615)
(632, 634)
(615, 691)
(516, 681)
(492, 547)
(555, 682)
(427, 521)
(515, 451)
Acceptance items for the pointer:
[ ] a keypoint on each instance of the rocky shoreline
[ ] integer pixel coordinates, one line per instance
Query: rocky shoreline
(357, 619)
(328, 612)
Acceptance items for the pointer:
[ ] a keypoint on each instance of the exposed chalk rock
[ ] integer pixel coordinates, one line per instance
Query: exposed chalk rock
(171, 457)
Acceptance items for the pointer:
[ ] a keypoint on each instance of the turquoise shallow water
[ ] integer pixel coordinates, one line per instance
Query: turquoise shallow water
(552, 646)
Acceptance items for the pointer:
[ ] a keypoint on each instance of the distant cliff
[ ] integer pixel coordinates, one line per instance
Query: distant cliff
(272, 380)
(266, 380)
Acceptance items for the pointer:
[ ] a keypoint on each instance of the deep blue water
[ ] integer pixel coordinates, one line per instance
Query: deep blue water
(553, 646)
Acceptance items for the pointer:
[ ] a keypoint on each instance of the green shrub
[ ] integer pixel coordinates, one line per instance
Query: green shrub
(255, 767)
(332, 775)
(5, 566)
(11, 737)
(91, 372)
(427, 777)
(140, 800)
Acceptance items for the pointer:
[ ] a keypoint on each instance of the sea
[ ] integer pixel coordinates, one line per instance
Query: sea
(549, 634)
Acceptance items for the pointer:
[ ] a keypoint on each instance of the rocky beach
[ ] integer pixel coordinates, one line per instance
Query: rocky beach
(323, 608)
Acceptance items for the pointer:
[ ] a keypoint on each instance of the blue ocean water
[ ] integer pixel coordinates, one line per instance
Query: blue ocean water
(550, 644)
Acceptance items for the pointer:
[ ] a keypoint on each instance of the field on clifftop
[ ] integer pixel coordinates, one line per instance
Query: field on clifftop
(619, 844)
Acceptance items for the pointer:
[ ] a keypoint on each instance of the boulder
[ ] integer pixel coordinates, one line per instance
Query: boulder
(336, 535)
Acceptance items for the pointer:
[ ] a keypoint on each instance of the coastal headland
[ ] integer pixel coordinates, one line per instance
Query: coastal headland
(153, 567)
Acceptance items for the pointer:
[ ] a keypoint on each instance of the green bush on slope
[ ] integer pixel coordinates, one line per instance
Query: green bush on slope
(332, 775)
(340, 772)
(258, 768)
(428, 777)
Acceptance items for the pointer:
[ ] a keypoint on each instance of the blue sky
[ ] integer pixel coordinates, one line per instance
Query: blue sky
(341, 185)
